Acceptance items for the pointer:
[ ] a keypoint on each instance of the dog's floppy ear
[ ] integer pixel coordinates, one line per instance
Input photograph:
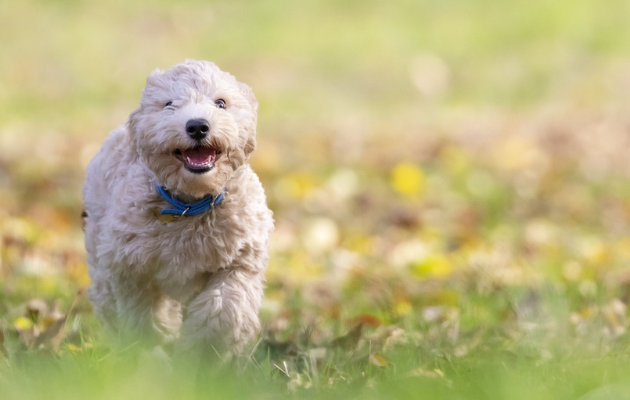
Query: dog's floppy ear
(154, 76)
(248, 93)
(250, 144)
(155, 79)
(132, 126)
(132, 121)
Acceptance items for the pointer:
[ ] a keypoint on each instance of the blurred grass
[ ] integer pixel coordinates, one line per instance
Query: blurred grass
(449, 175)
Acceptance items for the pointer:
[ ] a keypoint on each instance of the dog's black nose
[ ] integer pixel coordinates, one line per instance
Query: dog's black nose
(197, 128)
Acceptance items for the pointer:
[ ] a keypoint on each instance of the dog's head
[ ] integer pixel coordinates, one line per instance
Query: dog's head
(195, 125)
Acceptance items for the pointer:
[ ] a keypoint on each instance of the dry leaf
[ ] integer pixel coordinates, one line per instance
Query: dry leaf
(421, 372)
(349, 340)
(368, 320)
(51, 338)
(378, 360)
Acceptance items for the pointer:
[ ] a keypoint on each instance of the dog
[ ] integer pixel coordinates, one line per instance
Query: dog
(176, 222)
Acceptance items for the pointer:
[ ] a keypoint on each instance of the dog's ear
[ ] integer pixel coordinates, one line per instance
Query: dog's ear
(132, 121)
(155, 77)
(132, 126)
(248, 93)
(250, 143)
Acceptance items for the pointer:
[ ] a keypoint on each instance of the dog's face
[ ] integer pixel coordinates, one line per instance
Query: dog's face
(196, 124)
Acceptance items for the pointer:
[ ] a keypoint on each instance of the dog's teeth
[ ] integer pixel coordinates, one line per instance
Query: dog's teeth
(189, 161)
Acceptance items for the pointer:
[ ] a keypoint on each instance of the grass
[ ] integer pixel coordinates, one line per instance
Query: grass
(449, 181)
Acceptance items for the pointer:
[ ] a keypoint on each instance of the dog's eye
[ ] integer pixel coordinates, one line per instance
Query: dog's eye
(220, 103)
(170, 103)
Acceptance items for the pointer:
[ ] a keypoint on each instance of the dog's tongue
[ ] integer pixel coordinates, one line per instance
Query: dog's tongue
(199, 155)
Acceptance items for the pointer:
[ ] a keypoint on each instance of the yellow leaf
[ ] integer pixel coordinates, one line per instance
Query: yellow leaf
(433, 266)
(22, 323)
(403, 307)
(378, 360)
(73, 348)
(446, 298)
(424, 373)
(408, 179)
(587, 312)
(295, 186)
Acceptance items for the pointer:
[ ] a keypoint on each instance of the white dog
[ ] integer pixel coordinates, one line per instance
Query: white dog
(176, 222)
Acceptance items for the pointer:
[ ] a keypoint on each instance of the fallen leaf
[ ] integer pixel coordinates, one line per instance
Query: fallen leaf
(403, 307)
(22, 323)
(378, 360)
(349, 340)
(408, 179)
(52, 337)
(368, 319)
(421, 372)
(432, 266)
(73, 348)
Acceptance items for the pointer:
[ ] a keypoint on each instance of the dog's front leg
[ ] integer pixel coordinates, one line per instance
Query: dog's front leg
(224, 315)
(144, 315)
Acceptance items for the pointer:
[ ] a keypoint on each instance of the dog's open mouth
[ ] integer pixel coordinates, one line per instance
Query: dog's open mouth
(198, 159)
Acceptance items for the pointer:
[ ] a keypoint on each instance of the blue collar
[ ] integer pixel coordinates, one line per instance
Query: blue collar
(188, 210)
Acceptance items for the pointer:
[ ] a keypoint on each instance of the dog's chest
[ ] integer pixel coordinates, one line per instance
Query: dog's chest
(179, 249)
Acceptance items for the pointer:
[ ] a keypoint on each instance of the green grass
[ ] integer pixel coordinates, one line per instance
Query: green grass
(452, 174)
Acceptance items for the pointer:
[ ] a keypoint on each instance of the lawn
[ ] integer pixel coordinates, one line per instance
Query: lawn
(449, 180)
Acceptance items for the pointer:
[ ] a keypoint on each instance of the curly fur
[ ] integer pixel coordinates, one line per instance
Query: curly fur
(196, 280)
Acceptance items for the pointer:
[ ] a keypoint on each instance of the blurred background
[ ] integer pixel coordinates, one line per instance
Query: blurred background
(422, 158)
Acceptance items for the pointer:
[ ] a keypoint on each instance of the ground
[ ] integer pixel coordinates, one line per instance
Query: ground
(449, 179)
